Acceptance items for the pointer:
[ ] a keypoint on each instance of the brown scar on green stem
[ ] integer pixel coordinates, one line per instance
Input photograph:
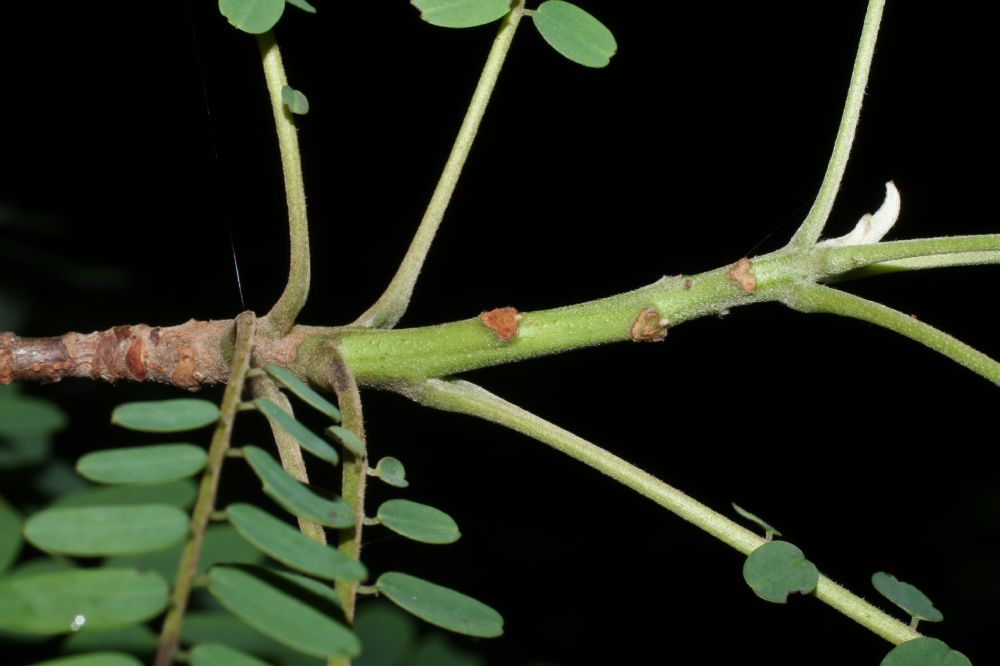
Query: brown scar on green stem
(742, 274)
(649, 326)
(502, 321)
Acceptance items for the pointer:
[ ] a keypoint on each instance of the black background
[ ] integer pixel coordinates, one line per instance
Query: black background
(138, 137)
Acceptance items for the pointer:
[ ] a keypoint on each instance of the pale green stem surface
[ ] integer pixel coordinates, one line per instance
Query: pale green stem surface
(392, 304)
(354, 476)
(293, 298)
(385, 357)
(467, 398)
(170, 635)
(811, 228)
(917, 253)
(819, 298)
(920, 263)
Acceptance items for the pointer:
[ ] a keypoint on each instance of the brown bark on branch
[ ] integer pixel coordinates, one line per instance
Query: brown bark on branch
(187, 356)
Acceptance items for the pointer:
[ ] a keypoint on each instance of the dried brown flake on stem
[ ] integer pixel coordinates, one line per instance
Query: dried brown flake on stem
(502, 321)
(742, 274)
(649, 326)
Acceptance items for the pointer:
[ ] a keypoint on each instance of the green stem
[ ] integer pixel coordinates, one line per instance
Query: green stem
(293, 298)
(466, 398)
(818, 298)
(391, 305)
(811, 228)
(385, 357)
(354, 477)
(380, 357)
(170, 635)
(917, 253)
(920, 263)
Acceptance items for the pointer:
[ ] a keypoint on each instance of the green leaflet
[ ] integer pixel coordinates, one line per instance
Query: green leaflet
(106, 530)
(769, 529)
(418, 521)
(215, 654)
(10, 537)
(175, 493)
(221, 543)
(309, 440)
(93, 659)
(574, 33)
(178, 415)
(289, 546)
(391, 471)
(63, 601)
(296, 385)
(157, 463)
(778, 569)
(906, 596)
(253, 16)
(440, 606)
(461, 13)
(266, 602)
(297, 498)
(925, 652)
(347, 439)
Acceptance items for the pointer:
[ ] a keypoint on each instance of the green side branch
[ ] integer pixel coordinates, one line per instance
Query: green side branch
(354, 476)
(392, 304)
(245, 329)
(293, 298)
(809, 232)
(467, 398)
(822, 299)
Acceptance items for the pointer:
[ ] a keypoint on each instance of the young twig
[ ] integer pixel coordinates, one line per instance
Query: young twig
(809, 232)
(467, 398)
(392, 304)
(245, 328)
(293, 298)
